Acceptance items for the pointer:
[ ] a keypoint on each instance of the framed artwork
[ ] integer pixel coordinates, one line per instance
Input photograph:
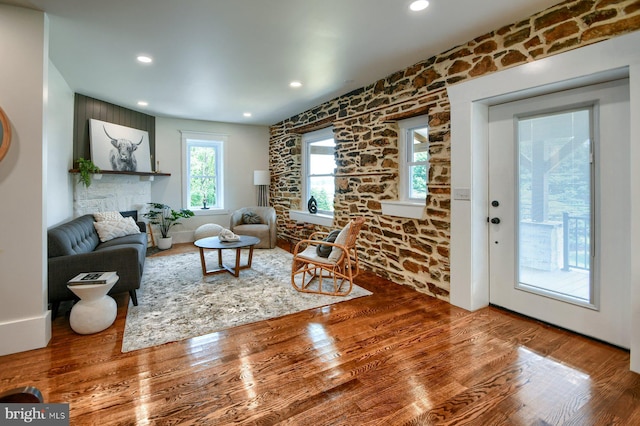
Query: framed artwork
(119, 148)
(5, 134)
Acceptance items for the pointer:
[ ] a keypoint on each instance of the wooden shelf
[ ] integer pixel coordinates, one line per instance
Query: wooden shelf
(111, 172)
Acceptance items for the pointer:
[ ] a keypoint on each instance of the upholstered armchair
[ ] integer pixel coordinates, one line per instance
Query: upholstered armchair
(256, 221)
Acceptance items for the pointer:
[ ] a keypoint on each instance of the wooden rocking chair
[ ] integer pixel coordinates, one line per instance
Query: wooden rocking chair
(309, 269)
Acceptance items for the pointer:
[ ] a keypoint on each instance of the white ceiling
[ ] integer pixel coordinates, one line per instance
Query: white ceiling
(216, 59)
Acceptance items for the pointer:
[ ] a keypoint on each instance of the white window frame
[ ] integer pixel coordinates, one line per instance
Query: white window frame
(406, 206)
(213, 140)
(307, 140)
(406, 150)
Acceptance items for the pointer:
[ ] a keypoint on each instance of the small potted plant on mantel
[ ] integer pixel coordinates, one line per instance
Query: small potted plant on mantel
(164, 217)
(86, 168)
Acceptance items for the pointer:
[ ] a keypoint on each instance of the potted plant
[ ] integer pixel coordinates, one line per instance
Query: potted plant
(86, 168)
(164, 217)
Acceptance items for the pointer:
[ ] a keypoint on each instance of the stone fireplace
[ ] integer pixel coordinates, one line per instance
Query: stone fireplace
(112, 192)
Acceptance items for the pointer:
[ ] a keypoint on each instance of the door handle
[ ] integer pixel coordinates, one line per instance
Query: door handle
(495, 220)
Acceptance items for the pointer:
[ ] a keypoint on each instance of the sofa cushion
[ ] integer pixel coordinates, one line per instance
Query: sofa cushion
(139, 238)
(251, 218)
(259, 231)
(141, 252)
(311, 254)
(250, 229)
(110, 229)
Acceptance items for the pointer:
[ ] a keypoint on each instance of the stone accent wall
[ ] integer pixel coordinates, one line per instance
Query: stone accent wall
(408, 251)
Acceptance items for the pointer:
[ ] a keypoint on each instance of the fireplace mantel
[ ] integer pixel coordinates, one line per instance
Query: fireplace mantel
(149, 176)
(111, 172)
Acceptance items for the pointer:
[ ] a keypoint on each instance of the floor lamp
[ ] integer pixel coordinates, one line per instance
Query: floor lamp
(262, 179)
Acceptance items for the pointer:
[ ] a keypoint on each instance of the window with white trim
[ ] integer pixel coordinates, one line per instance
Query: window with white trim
(318, 169)
(202, 170)
(414, 158)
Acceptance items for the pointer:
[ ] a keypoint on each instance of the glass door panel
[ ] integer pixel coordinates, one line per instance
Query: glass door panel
(555, 180)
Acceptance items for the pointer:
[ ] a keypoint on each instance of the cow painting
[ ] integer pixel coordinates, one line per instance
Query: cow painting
(118, 148)
(122, 155)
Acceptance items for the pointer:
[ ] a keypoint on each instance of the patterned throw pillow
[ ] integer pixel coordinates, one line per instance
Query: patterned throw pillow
(251, 218)
(324, 250)
(110, 229)
(102, 216)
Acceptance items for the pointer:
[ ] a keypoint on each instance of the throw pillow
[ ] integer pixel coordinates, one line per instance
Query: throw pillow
(251, 218)
(340, 239)
(323, 250)
(102, 216)
(110, 229)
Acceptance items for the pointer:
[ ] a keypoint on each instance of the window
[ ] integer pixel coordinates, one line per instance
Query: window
(203, 171)
(414, 160)
(318, 168)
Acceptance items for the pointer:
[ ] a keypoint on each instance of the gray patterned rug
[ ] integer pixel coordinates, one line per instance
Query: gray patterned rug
(176, 302)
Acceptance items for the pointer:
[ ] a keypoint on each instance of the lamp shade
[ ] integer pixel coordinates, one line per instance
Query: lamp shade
(261, 177)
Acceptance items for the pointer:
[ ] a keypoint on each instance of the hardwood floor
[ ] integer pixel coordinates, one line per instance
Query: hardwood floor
(394, 358)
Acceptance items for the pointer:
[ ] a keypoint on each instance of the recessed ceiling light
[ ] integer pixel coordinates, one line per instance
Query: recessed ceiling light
(247, 114)
(419, 5)
(144, 59)
(295, 84)
(143, 103)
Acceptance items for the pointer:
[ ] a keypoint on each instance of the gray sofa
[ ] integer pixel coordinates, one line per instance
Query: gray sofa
(74, 247)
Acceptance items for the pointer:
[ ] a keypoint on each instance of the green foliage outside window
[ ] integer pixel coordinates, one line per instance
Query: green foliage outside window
(419, 177)
(322, 198)
(564, 142)
(202, 162)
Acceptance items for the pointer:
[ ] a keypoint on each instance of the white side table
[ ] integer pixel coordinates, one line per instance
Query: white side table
(95, 311)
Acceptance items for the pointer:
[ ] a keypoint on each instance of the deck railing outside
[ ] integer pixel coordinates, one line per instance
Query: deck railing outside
(576, 242)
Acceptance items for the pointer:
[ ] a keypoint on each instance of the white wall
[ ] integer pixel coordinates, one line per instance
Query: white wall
(59, 149)
(247, 149)
(469, 129)
(25, 322)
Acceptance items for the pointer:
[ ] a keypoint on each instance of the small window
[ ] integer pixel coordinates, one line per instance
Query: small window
(203, 171)
(318, 168)
(414, 160)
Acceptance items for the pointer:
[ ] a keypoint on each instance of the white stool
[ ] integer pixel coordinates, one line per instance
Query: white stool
(95, 311)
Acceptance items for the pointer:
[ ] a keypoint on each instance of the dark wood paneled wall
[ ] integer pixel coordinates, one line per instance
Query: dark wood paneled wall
(87, 108)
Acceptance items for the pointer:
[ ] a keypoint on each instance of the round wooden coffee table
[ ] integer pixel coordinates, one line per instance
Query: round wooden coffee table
(214, 243)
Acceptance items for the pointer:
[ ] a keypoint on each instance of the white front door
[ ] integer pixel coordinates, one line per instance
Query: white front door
(558, 214)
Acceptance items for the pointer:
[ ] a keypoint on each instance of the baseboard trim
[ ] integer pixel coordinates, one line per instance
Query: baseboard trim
(25, 334)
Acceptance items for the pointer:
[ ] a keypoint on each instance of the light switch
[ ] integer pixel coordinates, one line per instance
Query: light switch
(462, 194)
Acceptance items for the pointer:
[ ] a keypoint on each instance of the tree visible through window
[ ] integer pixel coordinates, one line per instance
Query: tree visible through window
(203, 156)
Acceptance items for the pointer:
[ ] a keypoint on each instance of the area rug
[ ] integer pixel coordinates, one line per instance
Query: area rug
(176, 302)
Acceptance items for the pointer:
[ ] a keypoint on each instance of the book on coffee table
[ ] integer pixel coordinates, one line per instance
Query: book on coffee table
(93, 278)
